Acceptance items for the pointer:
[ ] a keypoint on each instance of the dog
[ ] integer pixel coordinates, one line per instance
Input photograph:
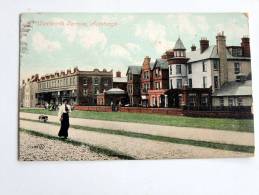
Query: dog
(43, 118)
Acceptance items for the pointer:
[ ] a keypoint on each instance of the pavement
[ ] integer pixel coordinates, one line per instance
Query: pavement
(142, 148)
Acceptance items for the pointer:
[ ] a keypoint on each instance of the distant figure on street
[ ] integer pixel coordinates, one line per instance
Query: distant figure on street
(63, 115)
(46, 105)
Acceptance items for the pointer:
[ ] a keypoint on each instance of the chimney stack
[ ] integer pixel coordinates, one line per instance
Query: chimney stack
(56, 74)
(204, 44)
(147, 59)
(146, 63)
(62, 73)
(222, 52)
(245, 44)
(118, 74)
(76, 69)
(193, 48)
(68, 71)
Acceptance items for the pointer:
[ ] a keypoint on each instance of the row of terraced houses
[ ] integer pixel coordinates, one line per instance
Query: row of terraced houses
(209, 76)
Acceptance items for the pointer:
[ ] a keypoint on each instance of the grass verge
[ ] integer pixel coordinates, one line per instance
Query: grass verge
(96, 149)
(214, 145)
(242, 125)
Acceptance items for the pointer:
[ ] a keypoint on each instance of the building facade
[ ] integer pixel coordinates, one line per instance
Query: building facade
(177, 65)
(157, 95)
(92, 83)
(234, 94)
(119, 81)
(218, 64)
(133, 85)
(146, 80)
(79, 87)
(193, 77)
(29, 90)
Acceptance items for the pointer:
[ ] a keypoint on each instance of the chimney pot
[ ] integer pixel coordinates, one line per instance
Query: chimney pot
(118, 74)
(193, 48)
(204, 44)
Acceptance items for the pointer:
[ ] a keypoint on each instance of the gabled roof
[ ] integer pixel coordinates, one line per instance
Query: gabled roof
(161, 63)
(210, 52)
(235, 89)
(134, 69)
(179, 45)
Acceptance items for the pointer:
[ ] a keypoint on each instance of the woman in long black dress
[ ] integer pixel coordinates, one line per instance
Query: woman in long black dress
(63, 114)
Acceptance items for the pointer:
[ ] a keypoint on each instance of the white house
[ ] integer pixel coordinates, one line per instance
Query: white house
(213, 66)
(177, 66)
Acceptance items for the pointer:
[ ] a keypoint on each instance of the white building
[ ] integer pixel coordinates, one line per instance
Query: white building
(29, 93)
(177, 66)
(212, 66)
(216, 66)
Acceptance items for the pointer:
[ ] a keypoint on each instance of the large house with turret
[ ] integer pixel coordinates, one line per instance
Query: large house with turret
(210, 76)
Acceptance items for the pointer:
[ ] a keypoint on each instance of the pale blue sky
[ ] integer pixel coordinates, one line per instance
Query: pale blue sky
(59, 41)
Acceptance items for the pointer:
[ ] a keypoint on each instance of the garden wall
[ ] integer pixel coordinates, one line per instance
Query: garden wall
(172, 111)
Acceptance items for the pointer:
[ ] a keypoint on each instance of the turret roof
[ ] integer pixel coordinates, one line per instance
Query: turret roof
(179, 45)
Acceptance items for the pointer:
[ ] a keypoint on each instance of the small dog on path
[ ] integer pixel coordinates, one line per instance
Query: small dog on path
(43, 118)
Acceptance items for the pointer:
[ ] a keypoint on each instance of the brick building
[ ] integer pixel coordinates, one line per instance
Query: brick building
(133, 85)
(146, 80)
(202, 77)
(79, 87)
(157, 95)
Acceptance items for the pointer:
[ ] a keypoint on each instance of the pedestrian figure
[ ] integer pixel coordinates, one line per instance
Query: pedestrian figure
(63, 115)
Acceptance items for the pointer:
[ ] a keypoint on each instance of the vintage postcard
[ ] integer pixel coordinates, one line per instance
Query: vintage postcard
(134, 86)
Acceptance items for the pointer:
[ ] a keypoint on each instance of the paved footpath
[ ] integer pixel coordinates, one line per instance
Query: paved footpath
(134, 147)
(212, 135)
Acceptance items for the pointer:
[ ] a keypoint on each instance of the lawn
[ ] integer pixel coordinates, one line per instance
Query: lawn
(245, 125)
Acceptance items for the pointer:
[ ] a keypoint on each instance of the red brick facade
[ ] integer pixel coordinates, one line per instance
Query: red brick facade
(146, 80)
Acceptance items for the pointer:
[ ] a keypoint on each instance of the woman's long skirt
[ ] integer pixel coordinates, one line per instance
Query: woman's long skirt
(63, 132)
